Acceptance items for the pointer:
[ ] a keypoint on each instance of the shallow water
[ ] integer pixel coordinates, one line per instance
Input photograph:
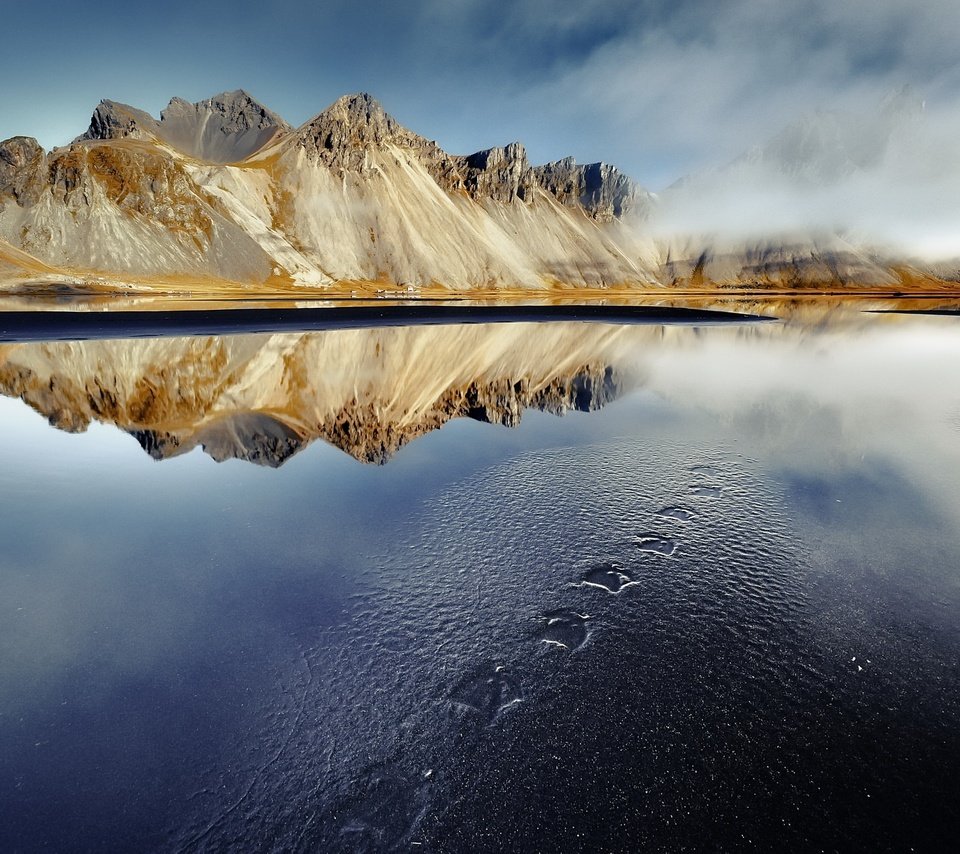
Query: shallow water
(714, 606)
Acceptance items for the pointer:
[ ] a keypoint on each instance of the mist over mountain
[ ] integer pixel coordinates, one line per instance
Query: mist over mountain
(224, 193)
(886, 178)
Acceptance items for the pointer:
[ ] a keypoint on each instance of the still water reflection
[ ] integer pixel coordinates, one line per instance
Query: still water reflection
(718, 611)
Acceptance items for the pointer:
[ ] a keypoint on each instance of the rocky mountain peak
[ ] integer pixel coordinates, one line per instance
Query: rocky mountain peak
(603, 191)
(22, 170)
(236, 111)
(513, 154)
(113, 120)
(501, 173)
(254, 437)
(17, 154)
(338, 135)
(225, 128)
(343, 135)
(360, 109)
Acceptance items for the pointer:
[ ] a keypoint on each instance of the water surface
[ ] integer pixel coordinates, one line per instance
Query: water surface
(367, 590)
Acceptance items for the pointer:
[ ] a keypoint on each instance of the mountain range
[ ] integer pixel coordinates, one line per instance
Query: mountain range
(223, 194)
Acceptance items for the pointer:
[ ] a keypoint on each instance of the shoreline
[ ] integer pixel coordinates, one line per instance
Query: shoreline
(45, 325)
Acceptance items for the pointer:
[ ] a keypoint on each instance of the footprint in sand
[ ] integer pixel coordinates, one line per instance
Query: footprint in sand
(702, 488)
(382, 814)
(607, 576)
(657, 544)
(706, 491)
(487, 692)
(677, 512)
(704, 471)
(564, 629)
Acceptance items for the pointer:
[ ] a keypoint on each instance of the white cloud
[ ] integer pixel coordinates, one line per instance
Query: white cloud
(691, 90)
(700, 85)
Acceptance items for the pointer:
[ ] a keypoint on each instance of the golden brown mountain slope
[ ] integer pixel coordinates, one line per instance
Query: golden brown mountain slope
(224, 194)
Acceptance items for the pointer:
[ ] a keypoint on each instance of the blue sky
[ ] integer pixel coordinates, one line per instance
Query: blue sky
(657, 88)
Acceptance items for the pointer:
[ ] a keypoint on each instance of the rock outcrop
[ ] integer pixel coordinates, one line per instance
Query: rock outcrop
(125, 207)
(601, 190)
(223, 129)
(22, 170)
(342, 136)
(501, 174)
(112, 120)
(252, 437)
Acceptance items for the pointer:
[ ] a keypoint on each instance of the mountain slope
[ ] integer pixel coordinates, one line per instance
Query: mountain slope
(223, 193)
(124, 207)
(225, 189)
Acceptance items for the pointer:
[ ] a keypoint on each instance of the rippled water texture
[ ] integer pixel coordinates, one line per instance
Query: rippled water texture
(713, 607)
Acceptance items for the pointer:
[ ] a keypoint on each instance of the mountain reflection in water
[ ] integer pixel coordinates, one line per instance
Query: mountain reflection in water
(721, 611)
(262, 398)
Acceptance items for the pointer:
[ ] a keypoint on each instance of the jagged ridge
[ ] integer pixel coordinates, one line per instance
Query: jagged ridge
(351, 195)
(342, 136)
(223, 129)
(224, 189)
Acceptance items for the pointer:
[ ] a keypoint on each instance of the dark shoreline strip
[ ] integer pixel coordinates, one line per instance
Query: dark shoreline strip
(21, 326)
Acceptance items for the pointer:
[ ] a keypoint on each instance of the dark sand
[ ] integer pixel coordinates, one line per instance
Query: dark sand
(18, 326)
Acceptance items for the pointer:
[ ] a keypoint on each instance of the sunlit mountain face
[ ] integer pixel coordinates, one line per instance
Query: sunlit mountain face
(224, 190)
(224, 195)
